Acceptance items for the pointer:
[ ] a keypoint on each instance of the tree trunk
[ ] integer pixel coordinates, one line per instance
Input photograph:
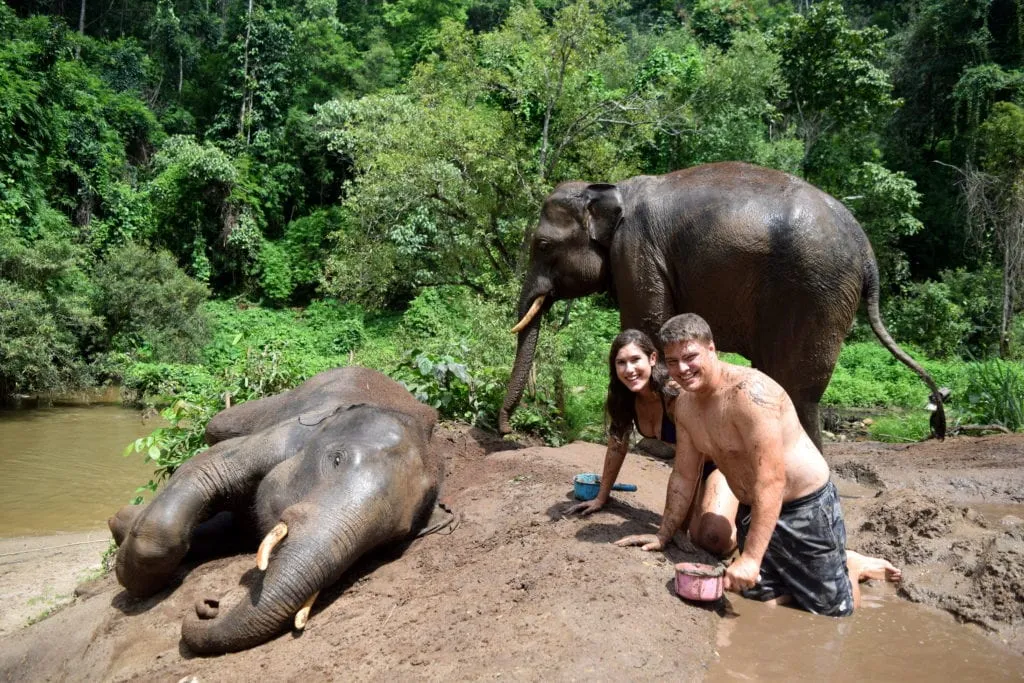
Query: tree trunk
(245, 77)
(1004, 324)
(81, 27)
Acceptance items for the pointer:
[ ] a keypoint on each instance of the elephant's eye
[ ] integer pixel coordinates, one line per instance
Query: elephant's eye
(338, 456)
(337, 460)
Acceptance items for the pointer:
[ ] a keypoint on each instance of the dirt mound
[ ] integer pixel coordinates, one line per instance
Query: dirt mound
(517, 590)
(908, 527)
(948, 513)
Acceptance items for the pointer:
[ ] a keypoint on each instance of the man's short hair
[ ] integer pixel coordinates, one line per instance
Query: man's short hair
(683, 328)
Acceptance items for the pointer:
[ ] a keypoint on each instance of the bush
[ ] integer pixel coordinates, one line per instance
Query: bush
(445, 383)
(151, 307)
(995, 393)
(979, 294)
(927, 316)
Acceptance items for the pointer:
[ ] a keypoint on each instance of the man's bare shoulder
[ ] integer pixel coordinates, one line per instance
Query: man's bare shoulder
(753, 387)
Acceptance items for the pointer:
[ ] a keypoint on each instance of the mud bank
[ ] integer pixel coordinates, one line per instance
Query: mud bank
(519, 591)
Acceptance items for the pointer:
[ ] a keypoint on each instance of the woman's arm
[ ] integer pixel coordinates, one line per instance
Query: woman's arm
(613, 459)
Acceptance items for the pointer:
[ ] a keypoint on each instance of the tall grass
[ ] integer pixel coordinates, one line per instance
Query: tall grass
(995, 393)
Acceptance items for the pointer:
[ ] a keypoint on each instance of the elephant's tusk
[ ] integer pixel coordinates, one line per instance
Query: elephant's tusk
(303, 614)
(268, 544)
(537, 303)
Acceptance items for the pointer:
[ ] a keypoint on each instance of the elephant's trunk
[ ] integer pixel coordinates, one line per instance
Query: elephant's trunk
(319, 547)
(525, 349)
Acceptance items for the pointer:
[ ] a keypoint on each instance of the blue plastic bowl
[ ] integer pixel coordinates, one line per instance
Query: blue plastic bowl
(586, 486)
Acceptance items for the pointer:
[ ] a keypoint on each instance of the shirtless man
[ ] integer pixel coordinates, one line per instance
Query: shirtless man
(789, 525)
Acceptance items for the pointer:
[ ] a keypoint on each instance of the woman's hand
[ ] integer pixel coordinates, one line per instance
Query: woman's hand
(587, 507)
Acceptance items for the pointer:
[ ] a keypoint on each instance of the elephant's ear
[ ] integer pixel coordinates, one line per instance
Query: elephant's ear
(604, 211)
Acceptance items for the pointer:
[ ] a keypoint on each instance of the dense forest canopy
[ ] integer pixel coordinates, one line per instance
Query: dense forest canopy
(154, 154)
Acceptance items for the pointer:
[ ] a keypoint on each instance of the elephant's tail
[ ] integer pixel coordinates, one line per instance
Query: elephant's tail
(870, 294)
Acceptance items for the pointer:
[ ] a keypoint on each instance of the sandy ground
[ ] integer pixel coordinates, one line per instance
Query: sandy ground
(519, 591)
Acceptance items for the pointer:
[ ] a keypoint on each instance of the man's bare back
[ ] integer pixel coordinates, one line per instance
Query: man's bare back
(725, 425)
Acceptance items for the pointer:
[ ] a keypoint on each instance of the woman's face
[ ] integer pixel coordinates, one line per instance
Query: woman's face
(633, 367)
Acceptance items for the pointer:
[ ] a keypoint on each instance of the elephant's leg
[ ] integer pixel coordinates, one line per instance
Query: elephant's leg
(225, 476)
(801, 357)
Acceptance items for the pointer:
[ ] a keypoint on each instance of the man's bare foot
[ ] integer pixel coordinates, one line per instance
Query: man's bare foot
(875, 568)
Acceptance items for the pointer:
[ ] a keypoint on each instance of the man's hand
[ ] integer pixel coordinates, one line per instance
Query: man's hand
(646, 541)
(743, 573)
(585, 508)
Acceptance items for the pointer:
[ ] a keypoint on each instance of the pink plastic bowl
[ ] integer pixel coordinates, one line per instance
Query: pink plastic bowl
(695, 581)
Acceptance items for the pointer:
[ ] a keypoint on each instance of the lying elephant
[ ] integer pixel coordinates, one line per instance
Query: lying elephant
(776, 266)
(324, 472)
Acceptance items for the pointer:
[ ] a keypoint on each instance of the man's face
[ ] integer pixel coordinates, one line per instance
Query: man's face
(689, 363)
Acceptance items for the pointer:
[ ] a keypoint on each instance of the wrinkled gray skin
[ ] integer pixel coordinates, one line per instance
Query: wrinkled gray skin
(344, 460)
(776, 266)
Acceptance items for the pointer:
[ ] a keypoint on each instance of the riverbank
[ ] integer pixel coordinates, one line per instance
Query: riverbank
(522, 592)
(38, 574)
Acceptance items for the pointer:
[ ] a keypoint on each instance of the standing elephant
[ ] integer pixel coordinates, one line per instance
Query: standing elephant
(324, 473)
(776, 266)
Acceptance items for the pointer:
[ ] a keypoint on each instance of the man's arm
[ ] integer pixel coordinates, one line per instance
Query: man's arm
(757, 420)
(613, 459)
(682, 484)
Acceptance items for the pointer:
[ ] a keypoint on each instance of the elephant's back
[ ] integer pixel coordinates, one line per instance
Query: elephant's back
(331, 389)
(735, 240)
(738, 214)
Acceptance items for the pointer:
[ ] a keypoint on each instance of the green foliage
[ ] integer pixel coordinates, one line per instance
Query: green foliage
(833, 70)
(44, 312)
(884, 202)
(149, 305)
(927, 315)
(867, 375)
(314, 341)
(170, 447)
(977, 293)
(715, 21)
(1002, 137)
(190, 195)
(995, 393)
(443, 381)
(901, 427)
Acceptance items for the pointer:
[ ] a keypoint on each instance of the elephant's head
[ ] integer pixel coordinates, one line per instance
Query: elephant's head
(362, 478)
(568, 259)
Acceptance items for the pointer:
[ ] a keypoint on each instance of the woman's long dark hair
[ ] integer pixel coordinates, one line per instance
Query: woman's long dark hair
(620, 406)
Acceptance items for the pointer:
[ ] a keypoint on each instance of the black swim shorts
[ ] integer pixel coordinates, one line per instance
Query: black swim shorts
(806, 557)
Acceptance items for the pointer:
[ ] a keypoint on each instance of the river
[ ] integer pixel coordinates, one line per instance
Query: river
(62, 468)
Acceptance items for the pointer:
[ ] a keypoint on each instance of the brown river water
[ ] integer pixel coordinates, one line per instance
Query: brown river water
(62, 469)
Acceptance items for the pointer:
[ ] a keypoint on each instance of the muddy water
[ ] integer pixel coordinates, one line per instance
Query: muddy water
(887, 639)
(61, 469)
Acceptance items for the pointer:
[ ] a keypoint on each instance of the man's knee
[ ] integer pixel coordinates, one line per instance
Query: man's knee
(715, 535)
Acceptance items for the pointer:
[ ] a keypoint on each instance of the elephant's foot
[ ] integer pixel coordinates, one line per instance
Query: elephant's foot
(442, 520)
(121, 523)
